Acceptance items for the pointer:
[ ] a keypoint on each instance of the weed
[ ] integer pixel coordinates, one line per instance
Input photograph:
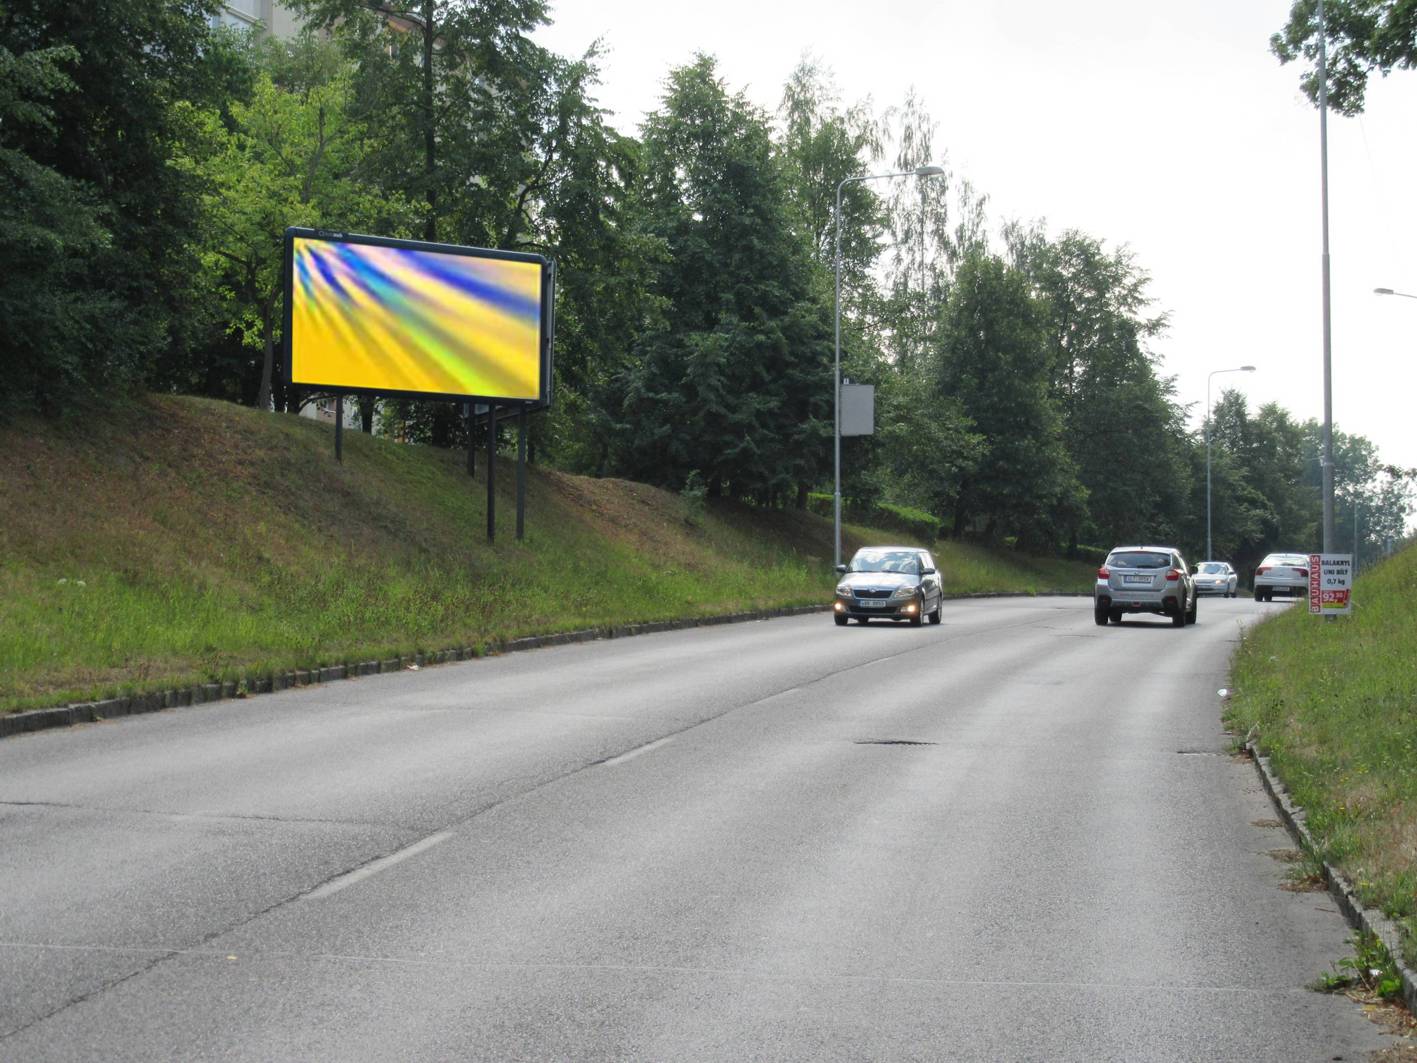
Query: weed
(1370, 970)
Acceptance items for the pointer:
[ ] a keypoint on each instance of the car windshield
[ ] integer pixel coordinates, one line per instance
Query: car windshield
(1139, 559)
(885, 561)
(1213, 568)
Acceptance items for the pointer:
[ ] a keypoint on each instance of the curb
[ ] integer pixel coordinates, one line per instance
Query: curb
(1368, 920)
(200, 694)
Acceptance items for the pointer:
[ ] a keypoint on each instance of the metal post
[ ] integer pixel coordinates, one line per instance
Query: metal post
(339, 428)
(472, 440)
(1209, 549)
(1327, 463)
(491, 472)
(836, 393)
(1357, 511)
(521, 474)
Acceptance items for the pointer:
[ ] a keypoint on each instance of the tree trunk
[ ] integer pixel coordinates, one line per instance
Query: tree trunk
(263, 395)
(430, 143)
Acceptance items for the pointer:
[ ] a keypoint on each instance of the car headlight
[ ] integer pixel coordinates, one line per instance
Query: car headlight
(843, 590)
(904, 592)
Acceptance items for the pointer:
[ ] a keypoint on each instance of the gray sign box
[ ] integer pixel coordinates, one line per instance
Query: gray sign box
(858, 409)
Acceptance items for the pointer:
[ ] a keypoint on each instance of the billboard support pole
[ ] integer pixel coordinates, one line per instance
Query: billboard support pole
(491, 471)
(339, 427)
(521, 474)
(471, 440)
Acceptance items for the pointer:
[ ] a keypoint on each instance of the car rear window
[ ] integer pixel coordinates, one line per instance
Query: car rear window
(1285, 559)
(1139, 559)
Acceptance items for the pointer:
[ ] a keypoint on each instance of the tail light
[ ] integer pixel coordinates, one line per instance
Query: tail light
(1304, 572)
(1261, 570)
(1173, 575)
(1104, 573)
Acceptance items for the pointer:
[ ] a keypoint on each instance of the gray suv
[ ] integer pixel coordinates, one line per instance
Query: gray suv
(1144, 579)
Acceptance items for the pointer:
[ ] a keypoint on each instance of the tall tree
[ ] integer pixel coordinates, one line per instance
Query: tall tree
(90, 90)
(1123, 428)
(996, 363)
(734, 383)
(1363, 36)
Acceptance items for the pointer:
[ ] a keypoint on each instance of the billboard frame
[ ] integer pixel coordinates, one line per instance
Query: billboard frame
(547, 318)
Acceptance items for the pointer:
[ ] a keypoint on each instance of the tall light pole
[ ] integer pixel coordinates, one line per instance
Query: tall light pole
(1209, 552)
(1327, 460)
(919, 171)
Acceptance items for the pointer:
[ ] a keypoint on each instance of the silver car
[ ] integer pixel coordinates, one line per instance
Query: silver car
(1144, 579)
(1217, 577)
(889, 583)
(1282, 574)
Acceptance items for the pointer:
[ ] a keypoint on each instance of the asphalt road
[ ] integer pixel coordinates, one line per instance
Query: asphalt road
(1012, 836)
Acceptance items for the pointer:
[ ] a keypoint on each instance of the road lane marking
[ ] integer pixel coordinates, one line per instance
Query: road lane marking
(637, 751)
(375, 866)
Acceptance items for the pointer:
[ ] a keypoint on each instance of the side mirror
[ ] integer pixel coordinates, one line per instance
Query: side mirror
(927, 572)
(841, 570)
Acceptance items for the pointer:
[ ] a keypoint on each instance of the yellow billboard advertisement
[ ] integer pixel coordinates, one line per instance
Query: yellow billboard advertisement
(365, 314)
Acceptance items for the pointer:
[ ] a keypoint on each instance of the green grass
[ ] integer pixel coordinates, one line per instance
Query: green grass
(1334, 704)
(174, 541)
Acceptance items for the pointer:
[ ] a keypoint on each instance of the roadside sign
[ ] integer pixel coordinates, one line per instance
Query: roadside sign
(1330, 584)
(858, 409)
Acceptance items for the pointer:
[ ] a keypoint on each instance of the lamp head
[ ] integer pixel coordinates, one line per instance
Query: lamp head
(929, 171)
(1383, 291)
(1247, 369)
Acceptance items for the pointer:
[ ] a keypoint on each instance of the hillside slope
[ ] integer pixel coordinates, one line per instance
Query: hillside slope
(178, 540)
(1334, 704)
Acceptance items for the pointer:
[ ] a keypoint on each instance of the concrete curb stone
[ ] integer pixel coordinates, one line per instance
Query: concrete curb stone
(17, 723)
(1368, 920)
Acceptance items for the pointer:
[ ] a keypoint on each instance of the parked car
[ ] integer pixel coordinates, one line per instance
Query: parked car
(1144, 579)
(889, 583)
(1282, 574)
(1217, 577)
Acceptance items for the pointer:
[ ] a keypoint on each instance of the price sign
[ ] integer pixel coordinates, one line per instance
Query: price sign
(1330, 584)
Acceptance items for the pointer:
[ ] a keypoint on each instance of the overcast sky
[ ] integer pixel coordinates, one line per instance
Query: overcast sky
(1169, 128)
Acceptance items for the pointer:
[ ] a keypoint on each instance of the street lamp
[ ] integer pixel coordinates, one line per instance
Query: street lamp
(1389, 291)
(919, 171)
(1209, 555)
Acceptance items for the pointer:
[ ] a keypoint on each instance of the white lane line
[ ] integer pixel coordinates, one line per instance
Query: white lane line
(637, 751)
(374, 867)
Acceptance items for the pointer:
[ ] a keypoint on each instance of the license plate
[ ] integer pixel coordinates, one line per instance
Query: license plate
(872, 603)
(1137, 579)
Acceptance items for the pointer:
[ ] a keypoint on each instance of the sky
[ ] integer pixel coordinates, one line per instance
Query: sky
(1166, 128)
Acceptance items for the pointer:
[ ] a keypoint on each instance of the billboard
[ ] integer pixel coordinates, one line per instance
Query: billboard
(365, 314)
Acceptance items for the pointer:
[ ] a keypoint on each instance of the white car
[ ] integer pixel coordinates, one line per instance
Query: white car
(1217, 577)
(1282, 574)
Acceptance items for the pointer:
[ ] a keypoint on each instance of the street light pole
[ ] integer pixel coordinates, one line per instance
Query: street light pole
(1327, 463)
(919, 171)
(1209, 551)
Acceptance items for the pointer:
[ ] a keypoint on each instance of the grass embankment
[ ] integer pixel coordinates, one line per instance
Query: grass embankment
(1335, 706)
(176, 541)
